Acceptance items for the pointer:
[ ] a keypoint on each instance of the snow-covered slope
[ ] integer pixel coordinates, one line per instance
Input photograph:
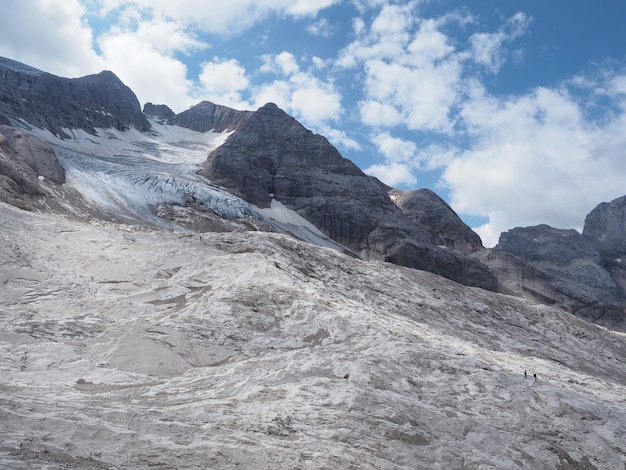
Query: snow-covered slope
(132, 348)
(129, 174)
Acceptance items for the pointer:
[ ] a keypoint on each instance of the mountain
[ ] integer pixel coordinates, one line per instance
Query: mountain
(222, 289)
(271, 156)
(583, 272)
(57, 104)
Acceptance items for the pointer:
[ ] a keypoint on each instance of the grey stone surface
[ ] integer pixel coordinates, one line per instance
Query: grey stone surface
(427, 209)
(547, 244)
(57, 104)
(24, 158)
(575, 271)
(206, 116)
(159, 112)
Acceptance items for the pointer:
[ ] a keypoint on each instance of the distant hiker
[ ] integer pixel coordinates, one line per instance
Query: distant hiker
(535, 376)
(525, 375)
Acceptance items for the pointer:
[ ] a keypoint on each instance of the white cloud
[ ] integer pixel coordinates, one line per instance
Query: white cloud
(412, 74)
(321, 28)
(395, 149)
(287, 63)
(374, 113)
(429, 44)
(301, 93)
(230, 17)
(422, 95)
(223, 81)
(48, 35)
(488, 49)
(393, 174)
(534, 158)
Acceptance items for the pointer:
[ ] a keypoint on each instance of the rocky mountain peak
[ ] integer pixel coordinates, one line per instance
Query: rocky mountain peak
(271, 156)
(57, 104)
(427, 209)
(206, 116)
(159, 112)
(606, 224)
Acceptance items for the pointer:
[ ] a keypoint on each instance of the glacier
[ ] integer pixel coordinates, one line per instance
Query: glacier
(129, 173)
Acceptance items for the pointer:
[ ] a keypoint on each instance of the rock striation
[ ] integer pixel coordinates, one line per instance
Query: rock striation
(58, 104)
(272, 156)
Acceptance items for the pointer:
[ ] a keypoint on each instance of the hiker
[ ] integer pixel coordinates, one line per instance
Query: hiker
(535, 376)
(525, 375)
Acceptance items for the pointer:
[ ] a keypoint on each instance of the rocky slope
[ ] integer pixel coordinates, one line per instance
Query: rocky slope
(58, 104)
(581, 272)
(272, 156)
(128, 348)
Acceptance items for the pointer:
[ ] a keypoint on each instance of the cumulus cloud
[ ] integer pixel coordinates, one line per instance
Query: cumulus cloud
(299, 92)
(535, 158)
(395, 149)
(223, 81)
(48, 35)
(393, 174)
(399, 160)
(231, 17)
(488, 49)
(320, 28)
(411, 74)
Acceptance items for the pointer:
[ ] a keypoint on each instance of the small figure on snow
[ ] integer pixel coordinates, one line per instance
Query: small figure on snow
(535, 376)
(525, 375)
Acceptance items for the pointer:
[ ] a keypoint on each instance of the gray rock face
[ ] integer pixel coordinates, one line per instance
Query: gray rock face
(24, 158)
(31, 152)
(567, 268)
(206, 116)
(159, 112)
(54, 103)
(606, 226)
(543, 243)
(272, 156)
(427, 209)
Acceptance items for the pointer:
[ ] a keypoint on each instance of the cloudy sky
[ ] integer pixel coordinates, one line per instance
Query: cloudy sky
(513, 111)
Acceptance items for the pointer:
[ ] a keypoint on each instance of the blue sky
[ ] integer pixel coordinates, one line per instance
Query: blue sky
(513, 111)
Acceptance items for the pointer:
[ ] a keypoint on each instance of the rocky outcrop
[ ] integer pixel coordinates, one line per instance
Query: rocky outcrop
(606, 227)
(567, 268)
(206, 116)
(58, 104)
(272, 156)
(428, 210)
(159, 112)
(25, 160)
